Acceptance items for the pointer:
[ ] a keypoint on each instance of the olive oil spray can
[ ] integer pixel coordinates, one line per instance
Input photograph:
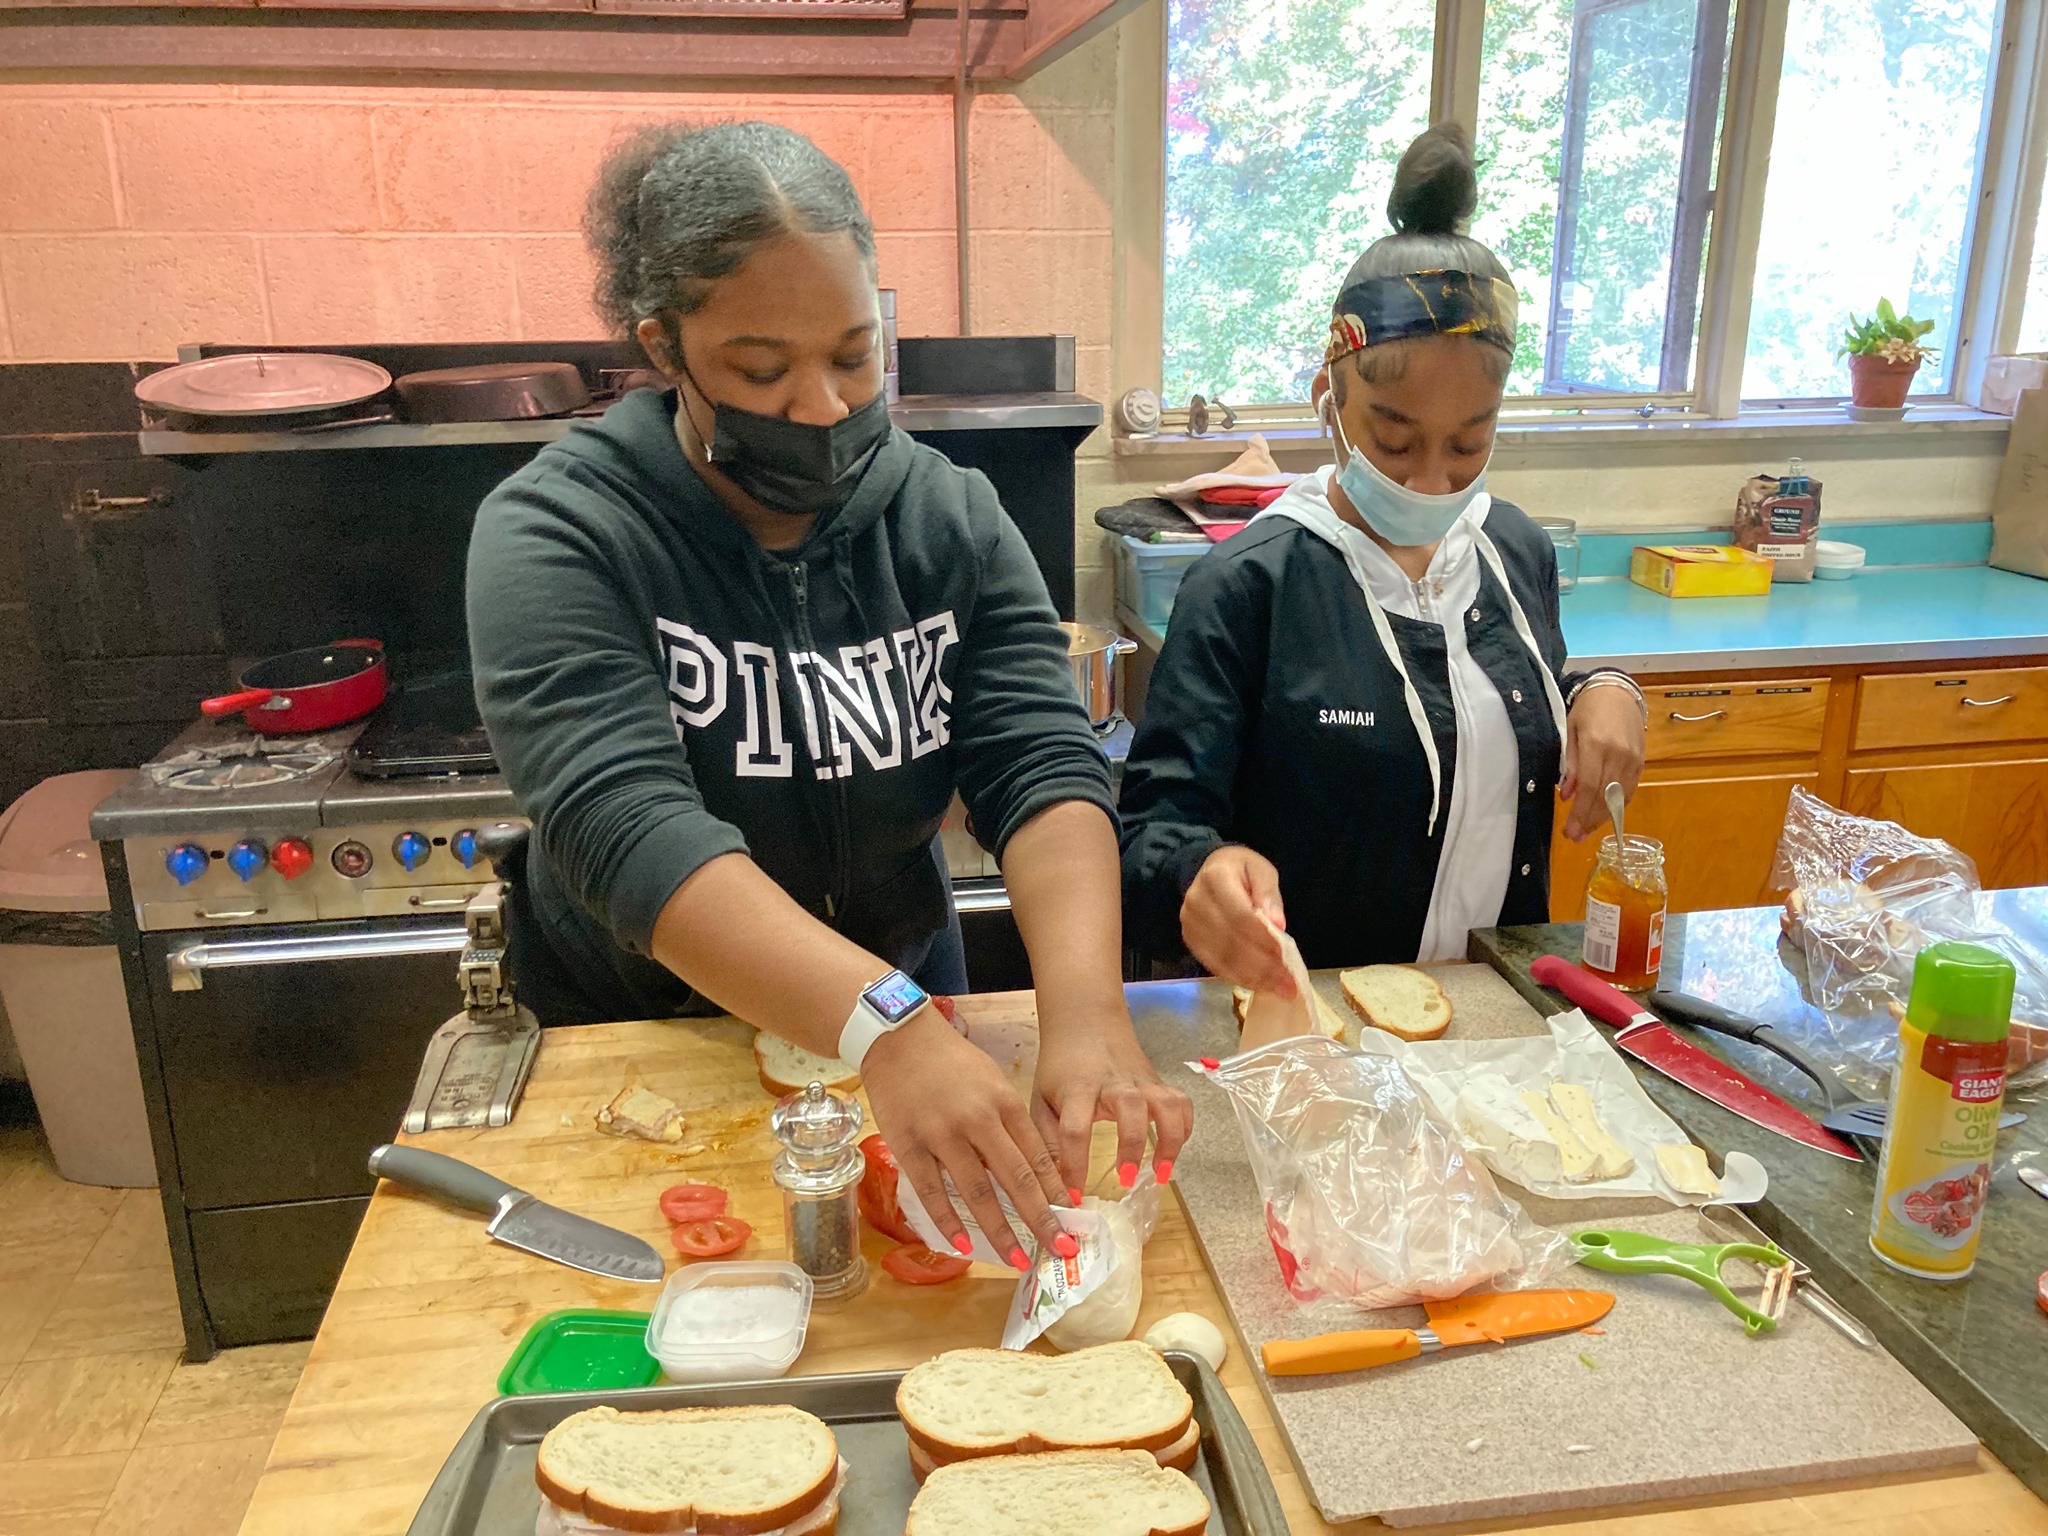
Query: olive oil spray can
(1947, 1089)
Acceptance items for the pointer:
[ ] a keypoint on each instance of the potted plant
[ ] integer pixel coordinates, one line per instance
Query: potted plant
(1884, 353)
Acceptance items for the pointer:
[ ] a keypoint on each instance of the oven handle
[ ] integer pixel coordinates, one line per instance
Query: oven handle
(189, 963)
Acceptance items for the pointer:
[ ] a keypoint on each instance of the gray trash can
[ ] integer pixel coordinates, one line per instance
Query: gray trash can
(60, 981)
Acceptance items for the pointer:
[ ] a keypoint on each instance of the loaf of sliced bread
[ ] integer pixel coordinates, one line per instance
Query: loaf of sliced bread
(787, 1068)
(714, 1471)
(1105, 1493)
(1400, 999)
(987, 1402)
(1180, 1456)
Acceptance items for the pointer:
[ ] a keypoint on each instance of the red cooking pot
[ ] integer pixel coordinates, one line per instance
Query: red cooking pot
(310, 690)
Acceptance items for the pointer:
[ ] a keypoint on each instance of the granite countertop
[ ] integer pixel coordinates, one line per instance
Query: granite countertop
(1889, 614)
(1980, 1344)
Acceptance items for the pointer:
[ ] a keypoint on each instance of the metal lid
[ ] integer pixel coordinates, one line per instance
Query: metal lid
(263, 384)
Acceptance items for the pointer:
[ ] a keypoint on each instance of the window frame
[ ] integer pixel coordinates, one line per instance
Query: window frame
(1997, 241)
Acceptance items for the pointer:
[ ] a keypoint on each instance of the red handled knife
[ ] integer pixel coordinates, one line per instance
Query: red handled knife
(1650, 1040)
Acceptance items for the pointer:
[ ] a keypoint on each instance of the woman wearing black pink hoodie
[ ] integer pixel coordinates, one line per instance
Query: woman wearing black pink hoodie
(738, 644)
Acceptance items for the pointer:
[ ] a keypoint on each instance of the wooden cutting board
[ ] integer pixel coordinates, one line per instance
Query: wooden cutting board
(1671, 1400)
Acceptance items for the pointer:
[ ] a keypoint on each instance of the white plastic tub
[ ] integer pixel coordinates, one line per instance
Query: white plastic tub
(1834, 560)
(716, 1321)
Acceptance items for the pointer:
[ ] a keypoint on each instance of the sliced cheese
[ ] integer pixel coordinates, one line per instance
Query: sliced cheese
(1577, 1158)
(1512, 1141)
(1685, 1170)
(1611, 1160)
(1267, 1017)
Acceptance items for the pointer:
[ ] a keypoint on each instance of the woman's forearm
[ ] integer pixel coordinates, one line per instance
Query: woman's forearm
(736, 937)
(1065, 888)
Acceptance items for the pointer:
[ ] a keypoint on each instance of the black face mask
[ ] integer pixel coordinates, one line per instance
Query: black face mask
(792, 466)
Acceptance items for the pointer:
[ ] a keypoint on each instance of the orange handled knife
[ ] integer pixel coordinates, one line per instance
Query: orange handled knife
(1491, 1319)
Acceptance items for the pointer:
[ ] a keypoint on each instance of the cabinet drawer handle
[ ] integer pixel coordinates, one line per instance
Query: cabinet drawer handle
(436, 903)
(1988, 703)
(1712, 714)
(228, 917)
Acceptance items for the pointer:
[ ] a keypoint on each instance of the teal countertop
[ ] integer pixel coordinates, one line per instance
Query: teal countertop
(1980, 1344)
(1952, 613)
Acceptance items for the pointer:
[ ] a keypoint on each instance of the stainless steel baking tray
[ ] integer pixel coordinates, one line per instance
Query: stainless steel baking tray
(486, 1487)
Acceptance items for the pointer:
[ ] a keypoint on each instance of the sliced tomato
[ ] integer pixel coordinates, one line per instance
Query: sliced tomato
(945, 1006)
(713, 1237)
(877, 1197)
(693, 1202)
(915, 1264)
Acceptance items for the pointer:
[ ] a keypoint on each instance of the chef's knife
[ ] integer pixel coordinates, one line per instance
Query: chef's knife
(1463, 1320)
(517, 1219)
(1651, 1041)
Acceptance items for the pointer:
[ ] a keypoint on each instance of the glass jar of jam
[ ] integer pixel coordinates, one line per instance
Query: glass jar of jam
(1625, 913)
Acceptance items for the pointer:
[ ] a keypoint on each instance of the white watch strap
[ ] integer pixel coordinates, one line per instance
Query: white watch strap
(863, 1027)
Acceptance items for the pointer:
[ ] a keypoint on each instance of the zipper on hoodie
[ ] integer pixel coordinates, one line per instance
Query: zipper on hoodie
(840, 820)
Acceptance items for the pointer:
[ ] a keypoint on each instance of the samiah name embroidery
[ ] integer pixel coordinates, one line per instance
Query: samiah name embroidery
(882, 699)
(1344, 717)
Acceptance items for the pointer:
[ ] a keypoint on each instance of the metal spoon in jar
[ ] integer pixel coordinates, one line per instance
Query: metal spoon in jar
(1614, 805)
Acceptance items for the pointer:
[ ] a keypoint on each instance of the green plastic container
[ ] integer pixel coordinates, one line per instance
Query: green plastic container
(581, 1351)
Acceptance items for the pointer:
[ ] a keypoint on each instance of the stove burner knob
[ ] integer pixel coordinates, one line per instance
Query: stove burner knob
(353, 859)
(463, 846)
(411, 850)
(247, 859)
(186, 862)
(292, 857)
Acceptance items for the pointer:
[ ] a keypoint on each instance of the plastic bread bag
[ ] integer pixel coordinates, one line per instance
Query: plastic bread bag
(1370, 1196)
(1864, 897)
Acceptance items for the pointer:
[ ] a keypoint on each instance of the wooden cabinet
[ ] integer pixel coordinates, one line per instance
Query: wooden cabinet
(1959, 753)
(1996, 811)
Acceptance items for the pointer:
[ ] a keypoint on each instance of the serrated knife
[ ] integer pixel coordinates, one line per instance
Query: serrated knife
(518, 1220)
(1651, 1041)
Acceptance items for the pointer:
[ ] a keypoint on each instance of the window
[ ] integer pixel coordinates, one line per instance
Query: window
(1599, 126)
(1284, 119)
(1873, 161)
(1598, 122)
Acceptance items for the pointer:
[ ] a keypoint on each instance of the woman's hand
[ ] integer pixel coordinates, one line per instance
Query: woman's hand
(1219, 920)
(944, 1106)
(1606, 747)
(1095, 1070)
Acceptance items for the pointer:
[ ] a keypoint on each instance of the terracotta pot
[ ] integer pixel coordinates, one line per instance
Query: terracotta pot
(1879, 382)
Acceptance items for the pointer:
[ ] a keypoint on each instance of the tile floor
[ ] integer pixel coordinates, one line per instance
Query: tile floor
(103, 1430)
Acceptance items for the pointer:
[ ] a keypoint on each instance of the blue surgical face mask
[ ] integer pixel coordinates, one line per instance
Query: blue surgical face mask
(1390, 509)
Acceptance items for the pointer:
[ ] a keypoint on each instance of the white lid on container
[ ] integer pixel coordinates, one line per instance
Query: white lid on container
(730, 1341)
(1837, 553)
(48, 860)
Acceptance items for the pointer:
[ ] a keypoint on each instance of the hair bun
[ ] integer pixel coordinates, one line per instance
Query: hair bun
(1435, 186)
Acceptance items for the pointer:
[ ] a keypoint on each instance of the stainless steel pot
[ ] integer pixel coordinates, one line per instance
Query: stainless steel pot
(1093, 653)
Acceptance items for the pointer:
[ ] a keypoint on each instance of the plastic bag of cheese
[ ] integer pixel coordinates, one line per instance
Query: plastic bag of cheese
(1370, 1196)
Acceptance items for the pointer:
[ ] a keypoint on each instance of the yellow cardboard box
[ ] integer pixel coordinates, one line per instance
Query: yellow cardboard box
(1700, 570)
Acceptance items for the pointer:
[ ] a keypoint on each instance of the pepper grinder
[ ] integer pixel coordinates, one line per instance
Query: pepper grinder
(818, 1171)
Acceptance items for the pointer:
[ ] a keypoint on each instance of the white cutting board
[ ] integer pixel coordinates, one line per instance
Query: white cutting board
(1672, 1400)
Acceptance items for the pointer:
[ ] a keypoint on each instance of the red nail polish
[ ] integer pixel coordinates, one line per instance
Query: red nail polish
(1017, 1259)
(1074, 1195)
(1127, 1174)
(963, 1242)
(1162, 1170)
(1065, 1246)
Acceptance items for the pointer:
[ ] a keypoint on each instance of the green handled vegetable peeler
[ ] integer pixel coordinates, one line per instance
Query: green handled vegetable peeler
(1638, 1253)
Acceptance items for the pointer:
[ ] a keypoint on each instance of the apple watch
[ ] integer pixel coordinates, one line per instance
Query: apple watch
(886, 1005)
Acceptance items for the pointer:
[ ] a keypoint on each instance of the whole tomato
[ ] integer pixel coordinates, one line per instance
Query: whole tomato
(877, 1196)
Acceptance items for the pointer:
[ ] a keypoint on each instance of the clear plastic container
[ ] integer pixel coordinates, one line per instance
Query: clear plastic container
(716, 1321)
(1148, 575)
(1564, 538)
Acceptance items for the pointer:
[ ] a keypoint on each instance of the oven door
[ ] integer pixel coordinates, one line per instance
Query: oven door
(289, 1053)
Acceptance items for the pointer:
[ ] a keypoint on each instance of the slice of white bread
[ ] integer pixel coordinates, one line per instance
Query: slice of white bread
(986, 1402)
(1105, 1493)
(1180, 1456)
(1400, 999)
(787, 1068)
(716, 1471)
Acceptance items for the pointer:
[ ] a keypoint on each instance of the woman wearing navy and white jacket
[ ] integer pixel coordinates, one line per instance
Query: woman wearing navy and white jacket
(1361, 711)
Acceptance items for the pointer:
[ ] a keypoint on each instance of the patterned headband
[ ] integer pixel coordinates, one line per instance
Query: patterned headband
(1440, 303)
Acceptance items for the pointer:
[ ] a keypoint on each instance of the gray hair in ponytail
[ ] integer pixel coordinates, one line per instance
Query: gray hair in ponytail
(1436, 189)
(678, 206)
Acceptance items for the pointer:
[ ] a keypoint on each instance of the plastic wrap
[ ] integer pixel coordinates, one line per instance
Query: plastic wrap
(1370, 1196)
(1865, 896)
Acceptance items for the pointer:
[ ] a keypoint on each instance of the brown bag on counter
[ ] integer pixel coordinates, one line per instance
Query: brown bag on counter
(2019, 509)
